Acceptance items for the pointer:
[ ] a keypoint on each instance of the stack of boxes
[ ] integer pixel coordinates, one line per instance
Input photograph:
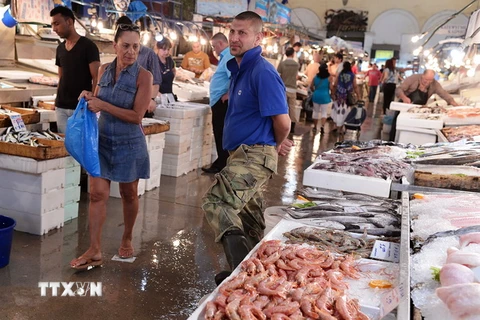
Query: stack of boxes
(188, 143)
(36, 193)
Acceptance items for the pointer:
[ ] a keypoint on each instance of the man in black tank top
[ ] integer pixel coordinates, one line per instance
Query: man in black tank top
(78, 61)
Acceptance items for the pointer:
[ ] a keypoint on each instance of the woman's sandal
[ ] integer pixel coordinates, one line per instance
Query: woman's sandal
(125, 253)
(89, 263)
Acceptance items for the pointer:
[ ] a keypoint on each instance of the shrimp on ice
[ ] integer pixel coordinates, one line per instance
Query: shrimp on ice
(233, 284)
(210, 310)
(251, 312)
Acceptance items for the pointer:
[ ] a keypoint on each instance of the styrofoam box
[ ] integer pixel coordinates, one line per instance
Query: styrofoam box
(153, 182)
(72, 176)
(180, 126)
(115, 188)
(440, 136)
(176, 171)
(175, 160)
(32, 183)
(402, 107)
(176, 112)
(47, 115)
(72, 194)
(156, 156)
(155, 168)
(70, 211)
(178, 149)
(35, 223)
(156, 141)
(30, 165)
(346, 182)
(71, 162)
(415, 136)
(33, 203)
(413, 120)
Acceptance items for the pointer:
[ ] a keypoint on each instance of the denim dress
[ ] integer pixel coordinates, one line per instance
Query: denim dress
(122, 146)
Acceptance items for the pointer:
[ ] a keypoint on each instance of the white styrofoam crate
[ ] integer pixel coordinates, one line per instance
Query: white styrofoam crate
(71, 162)
(156, 141)
(414, 120)
(70, 211)
(47, 116)
(346, 182)
(35, 223)
(402, 107)
(153, 182)
(155, 156)
(28, 165)
(32, 183)
(32, 203)
(174, 159)
(180, 126)
(72, 176)
(177, 144)
(415, 136)
(155, 168)
(72, 194)
(175, 112)
(115, 188)
(176, 171)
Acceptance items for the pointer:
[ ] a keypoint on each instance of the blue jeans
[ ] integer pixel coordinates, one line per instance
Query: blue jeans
(372, 93)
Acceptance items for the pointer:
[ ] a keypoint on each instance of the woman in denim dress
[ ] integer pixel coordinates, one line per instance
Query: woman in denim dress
(122, 97)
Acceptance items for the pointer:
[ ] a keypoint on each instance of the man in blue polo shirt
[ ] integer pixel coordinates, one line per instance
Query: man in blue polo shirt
(219, 99)
(256, 127)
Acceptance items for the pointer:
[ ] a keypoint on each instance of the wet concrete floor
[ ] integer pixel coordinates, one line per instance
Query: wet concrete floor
(177, 257)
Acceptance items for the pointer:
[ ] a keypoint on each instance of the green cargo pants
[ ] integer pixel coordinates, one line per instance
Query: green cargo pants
(234, 201)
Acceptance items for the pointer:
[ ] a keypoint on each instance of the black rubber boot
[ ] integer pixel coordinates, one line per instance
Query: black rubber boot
(253, 237)
(236, 249)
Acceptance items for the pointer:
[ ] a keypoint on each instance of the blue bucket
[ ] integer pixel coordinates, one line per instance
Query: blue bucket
(8, 20)
(6, 234)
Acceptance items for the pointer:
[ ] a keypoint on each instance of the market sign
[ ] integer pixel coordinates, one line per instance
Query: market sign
(346, 20)
(383, 54)
(222, 8)
(273, 11)
(454, 30)
(33, 11)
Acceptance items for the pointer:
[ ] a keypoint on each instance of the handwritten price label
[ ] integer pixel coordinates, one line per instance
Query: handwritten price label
(392, 299)
(17, 122)
(387, 251)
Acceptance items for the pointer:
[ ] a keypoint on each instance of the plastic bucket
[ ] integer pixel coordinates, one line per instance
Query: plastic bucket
(6, 234)
(8, 20)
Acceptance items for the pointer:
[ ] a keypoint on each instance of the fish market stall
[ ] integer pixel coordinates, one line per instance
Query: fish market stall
(37, 167)
(302, 278)
(446, 242)
(368, 169)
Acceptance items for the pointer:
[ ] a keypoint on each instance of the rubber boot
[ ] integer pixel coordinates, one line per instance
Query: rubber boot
(253, 237)
(292, 127)
(236, 249)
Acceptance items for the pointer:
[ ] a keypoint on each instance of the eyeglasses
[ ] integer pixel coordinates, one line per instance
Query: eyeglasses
(128, 27)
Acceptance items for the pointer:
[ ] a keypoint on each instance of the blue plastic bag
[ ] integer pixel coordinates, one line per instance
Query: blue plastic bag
(81, 138)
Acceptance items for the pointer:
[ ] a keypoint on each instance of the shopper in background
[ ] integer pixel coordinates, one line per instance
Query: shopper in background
(321, 87)
(390, 79)
(355, 68)
(374, 76)
(149, 61)
(77, 59)
(312, 69)
(296, 47)
(344, 85)
(167, 65)
(256, 127)
(196, 60)
(288, 70)
(219, 99)
(335, 67)
(121, 97)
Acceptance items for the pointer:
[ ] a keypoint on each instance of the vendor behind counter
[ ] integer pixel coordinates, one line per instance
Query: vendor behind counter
(417, 89)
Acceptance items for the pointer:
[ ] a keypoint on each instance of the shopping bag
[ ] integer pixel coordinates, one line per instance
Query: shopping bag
(81, 138)
(308, 102)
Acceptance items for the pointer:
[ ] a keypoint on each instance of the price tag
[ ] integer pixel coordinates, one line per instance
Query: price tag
(392, 299)
(170, 98)
(17, 122)
(387, 251)
(355, 209)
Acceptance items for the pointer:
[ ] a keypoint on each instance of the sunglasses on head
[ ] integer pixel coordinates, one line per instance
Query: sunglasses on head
(128, 27)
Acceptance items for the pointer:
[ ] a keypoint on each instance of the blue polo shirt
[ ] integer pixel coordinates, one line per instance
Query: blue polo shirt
(221, 78)
(256, 94)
